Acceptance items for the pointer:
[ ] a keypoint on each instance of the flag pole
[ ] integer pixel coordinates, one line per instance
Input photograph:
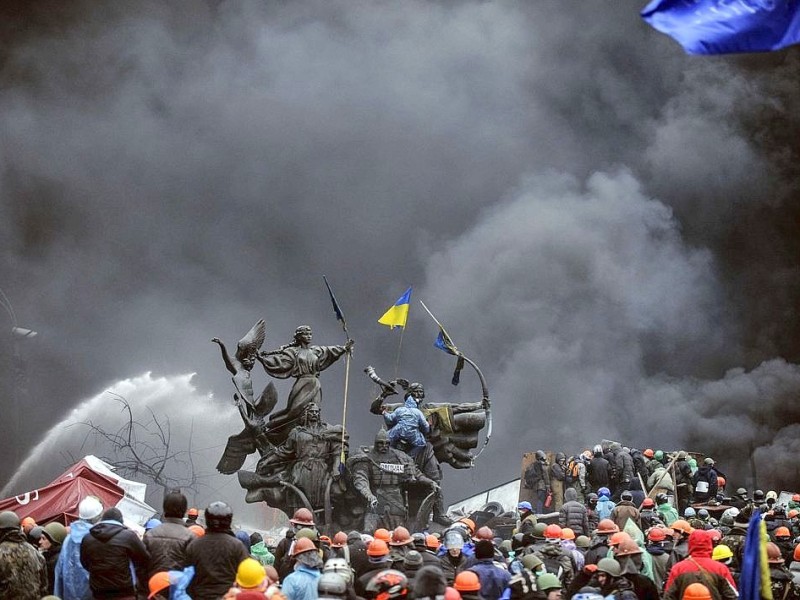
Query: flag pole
(435, 320)
(399, 347)
(340, 317)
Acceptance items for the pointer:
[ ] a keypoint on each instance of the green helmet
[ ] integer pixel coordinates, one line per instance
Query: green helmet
(538, 530)
(659, 455)
(306, 532)
(55, 532)
(609, 566)
(548, 581)
(583, 541)
(531, 562)
(9, 520)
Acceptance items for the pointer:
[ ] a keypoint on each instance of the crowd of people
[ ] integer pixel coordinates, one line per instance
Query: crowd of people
(610, 539)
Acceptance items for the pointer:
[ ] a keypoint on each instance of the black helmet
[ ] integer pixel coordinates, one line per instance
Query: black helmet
(419, 540)
(661, 498)
(540, 455)
(35, 533)
(218, 516)
(702, 513)
(758, 496)
(742, 492)
(592, 497)
(388, 585)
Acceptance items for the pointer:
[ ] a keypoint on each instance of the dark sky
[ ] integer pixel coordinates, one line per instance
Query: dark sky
(606, 225)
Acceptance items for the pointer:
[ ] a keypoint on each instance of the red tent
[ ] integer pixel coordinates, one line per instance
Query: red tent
(59, 500)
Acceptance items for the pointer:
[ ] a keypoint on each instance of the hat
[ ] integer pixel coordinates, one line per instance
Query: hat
(90, 508)
(524, 506)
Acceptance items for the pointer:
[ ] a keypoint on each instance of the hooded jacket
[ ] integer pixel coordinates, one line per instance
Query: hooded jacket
(700, 567)
(107, 553)
(407, 423)
(71, 579)
(573, 513)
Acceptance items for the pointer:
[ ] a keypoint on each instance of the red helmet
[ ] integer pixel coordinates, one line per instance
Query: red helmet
(721, 481)
(627, 547)
(782, 532)
(648, 503)
(400, 537)
(649, 453)
(387, 585)
(303, 545)
(552, 532)
(618, 537)
(302, 516)
(607, 526)
(656, 534)
(774, 554)
(339, 540)
(484, 533)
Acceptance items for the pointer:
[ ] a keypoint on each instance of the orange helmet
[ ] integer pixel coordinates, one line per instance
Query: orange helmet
(607, 526)
(28, 522)
(649, 453)
(796, 498)
(618, 537)
(197, 530)
(467, 581)
(552, 532)
(324, 539)
(627, 547)
(721, 481)
(567, 534)
(432, 542)
(158, 582)
(339, 540)
(484, 533)
(793, 513)
(302, 516)
(377, 547)
(303, 545)
(656, 534)
(400, 537)
(682, 526)
(774, 554)
(193, 512)
(782, 532)
(383, 534)
(796, 554)
(469, 523)
(696, 591)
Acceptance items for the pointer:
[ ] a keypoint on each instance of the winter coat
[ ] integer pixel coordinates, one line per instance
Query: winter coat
(598, 549)
(167, 544)
(623, 511)
(557, 561)
(635, 488)
(215, 558)
(72, 580)
(407, 423)
(624, 464)
(604, 507)
(51, 559)
(301, 584)
(452, 566)
(659, 557)
(663, 478)
(699, 567)
(23, 573)
(536, 476)
(573, 514)
(705, 484)
(494, 579)
(598, 473)
(107, 553)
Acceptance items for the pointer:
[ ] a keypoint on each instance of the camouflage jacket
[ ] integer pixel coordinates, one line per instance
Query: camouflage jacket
(23, 574)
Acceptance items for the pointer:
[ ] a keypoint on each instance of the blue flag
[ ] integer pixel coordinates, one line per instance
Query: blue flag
(754, 581)
(726, 26)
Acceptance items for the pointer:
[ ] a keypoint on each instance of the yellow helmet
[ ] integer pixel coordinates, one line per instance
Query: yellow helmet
(722, 552)
(250, 574)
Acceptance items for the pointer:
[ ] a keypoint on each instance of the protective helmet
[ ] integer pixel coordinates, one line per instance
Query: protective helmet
(340, 567)
(35, 533)
(218, 516)
(607, 526)
(682, 455)
(400, 537)
(377, 548)
(383, 534)
(28, 523)
(648, 503)
(467, 581)
(548, 581)
(307, 532)
(158, 582)
(325, 540)
(648, 452)
(55, 532)
(626, 495)
(583, 541)
(793, 513)
(453, 539)
(567, 534)
(661, 498)
(151, 524)
(331, 584)
(609, 566)
(682, 526)
(708, 461)
(617, 538)
(306, 545)
(302, 516)
(732, 511)
(703, 514)
(540, 455)
(689, 512)
(9, 520)
(598, 449)
(531, 562)
(778, 510)
(387, 585)
(772, 495)
(774, 554)
(432, 542)
(604, 491)
(721, 552)
(525, 506)
(758, 496)
(538, 530)
(90, 508)
(658, 455)
(552, 532)
(721, 481)
(627, 548)
(656, 534)
(412, 562)
(741, 492)
(193, 512)
(696, 591)
(469, 523)
(250, 574)
(796, 554)
(484, 533)
(592, 497)
(339, 540)
(782, 532)
(197, 530)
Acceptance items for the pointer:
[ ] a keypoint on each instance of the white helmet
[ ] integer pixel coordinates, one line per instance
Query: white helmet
(340, 567)
(90, 508)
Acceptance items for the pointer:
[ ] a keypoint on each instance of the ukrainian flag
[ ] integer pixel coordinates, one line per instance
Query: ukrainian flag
(397, 315)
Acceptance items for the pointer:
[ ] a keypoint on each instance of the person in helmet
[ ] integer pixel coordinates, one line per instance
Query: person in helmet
(699, 567)
(537, 479)
(215, 556)
(592, 517)
(783, 585)
(680, 548)
(389, 584)
(684, 488)
(632, 566)
(556, 559)
(648, 514)
(71, 579)
(659, 555)
(332, 586)
(23, 572)
(600, 544)
(302, 582)
(53, 535)
(608, 577)
(665, 510)
(527, 518)
(550, 585)
(625, 510)
(598, 470)
(740, 499)
(794, 564)
(604, 503)
(705, 482)
(251, 581)
(379, 560)
(558, 476)
(468, 585)
(302, 518)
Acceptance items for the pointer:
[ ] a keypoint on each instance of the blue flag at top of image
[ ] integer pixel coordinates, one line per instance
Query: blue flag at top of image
(726, 26)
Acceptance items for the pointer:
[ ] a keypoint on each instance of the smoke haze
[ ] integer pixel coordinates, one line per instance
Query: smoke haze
(606, 226)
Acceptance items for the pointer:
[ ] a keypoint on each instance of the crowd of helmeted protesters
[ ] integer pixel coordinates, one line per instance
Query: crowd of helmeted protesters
(606, 538)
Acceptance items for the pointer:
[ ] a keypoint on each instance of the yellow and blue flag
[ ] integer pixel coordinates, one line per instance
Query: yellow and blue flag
(443, 342)
(723, 27)
(754, 581)
(397, 315)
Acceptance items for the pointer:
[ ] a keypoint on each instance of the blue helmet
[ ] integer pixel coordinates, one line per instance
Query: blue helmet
(604, 491)
(689, 512)
(524, 506)
(151, 524)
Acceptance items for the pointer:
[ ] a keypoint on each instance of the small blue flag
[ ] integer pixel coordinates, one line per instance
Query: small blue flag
(443, 342)
(724, 27)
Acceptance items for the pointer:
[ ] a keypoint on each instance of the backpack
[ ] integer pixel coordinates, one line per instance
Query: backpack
(571, 474)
